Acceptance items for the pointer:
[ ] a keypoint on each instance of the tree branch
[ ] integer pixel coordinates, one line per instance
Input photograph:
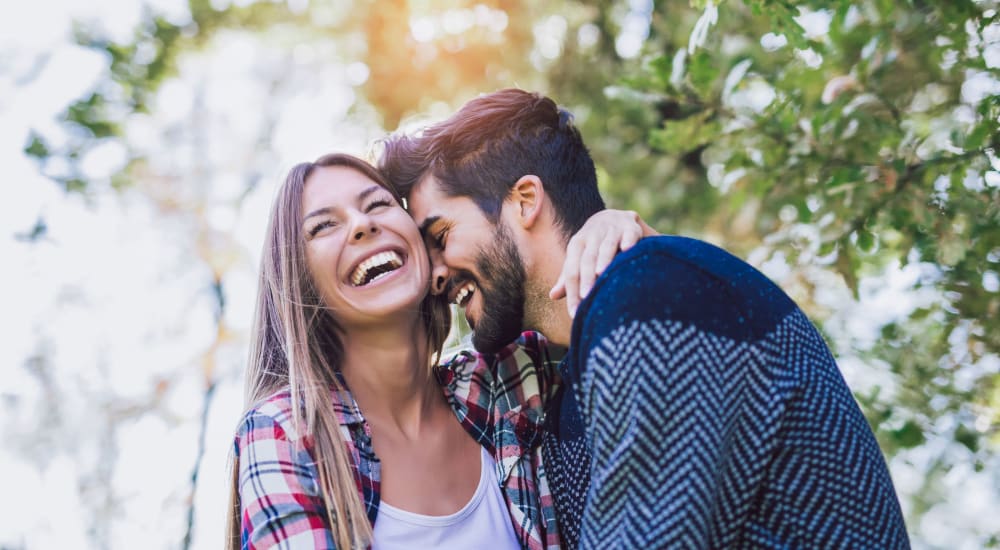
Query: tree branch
(206, 404)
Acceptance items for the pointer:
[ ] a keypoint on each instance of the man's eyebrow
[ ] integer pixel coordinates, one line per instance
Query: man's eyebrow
(425, 226)
(326, 210)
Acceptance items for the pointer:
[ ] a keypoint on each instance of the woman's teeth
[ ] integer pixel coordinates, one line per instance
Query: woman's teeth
(376, 267)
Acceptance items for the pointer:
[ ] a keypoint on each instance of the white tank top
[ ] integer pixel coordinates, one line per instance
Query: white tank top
(484, 522)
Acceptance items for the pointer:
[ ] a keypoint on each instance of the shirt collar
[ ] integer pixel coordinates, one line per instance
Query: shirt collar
(344, 405)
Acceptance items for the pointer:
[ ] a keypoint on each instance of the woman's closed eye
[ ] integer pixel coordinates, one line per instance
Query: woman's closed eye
(378, 203)
(374, 205)
(321, 226)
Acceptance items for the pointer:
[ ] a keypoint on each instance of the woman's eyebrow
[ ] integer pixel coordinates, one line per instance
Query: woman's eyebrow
(317, 212)
(364, 194)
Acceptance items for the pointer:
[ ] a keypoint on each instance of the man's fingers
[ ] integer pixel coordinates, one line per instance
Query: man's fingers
(590, 252)
(558, 290)
(572, 302)
(588, 265)
(630, 237)
(607, 253)
(570, 275)
(572, 289)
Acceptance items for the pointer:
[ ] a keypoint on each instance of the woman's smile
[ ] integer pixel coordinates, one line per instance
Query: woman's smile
(377, 268)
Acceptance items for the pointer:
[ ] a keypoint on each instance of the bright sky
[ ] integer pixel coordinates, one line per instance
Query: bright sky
(117, 295)
(113, 296)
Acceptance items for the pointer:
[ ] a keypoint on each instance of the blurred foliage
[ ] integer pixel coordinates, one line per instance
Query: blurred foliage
(875, 146)
(863, 146)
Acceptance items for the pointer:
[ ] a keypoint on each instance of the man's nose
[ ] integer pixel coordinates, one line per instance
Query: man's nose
(439, 274)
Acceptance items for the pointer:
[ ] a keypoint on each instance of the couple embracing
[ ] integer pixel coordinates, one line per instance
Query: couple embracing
(678, 398)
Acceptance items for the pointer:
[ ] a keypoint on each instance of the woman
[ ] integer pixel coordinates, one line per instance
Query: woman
(343, 302)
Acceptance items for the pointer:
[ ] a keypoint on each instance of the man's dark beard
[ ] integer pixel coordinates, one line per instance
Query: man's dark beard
(501, 288)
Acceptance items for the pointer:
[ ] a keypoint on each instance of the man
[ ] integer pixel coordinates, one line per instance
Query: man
(703, 409)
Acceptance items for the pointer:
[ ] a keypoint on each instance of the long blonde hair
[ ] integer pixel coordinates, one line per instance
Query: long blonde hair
(296, 344)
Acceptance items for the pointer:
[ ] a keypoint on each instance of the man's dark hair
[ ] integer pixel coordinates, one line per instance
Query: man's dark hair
(490, 143)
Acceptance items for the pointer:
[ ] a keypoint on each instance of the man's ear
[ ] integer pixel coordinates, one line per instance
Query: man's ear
(527, 197)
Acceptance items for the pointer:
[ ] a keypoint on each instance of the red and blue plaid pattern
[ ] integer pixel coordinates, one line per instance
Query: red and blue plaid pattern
(279, 494)
(499, 399)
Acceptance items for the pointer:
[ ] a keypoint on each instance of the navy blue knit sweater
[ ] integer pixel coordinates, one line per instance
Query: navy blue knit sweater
(704, 410)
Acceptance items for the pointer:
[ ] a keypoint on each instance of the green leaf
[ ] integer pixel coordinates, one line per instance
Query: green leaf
(682, 136)
(978, 135)
(74, 185)
(661, 68)
(843, 175)
(36, 147)
(909, 435)
(805, 215)
(702, 72)
(968, 438)
(866, 240)
(90, 114)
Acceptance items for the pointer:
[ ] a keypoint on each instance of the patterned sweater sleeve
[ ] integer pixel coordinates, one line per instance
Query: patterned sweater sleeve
(280, 503)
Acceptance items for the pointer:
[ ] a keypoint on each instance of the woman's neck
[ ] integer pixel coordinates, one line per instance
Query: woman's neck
(389, 375)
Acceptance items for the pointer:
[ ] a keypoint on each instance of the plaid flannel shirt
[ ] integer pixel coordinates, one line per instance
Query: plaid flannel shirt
(499, 399)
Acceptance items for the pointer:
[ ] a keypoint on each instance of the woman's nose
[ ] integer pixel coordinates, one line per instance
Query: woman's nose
(363, 226)
(360, 234)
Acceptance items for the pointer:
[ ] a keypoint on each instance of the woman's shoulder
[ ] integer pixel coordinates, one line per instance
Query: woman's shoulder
(269, 417)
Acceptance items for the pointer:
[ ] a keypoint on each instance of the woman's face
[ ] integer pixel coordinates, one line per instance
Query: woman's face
(364, 252)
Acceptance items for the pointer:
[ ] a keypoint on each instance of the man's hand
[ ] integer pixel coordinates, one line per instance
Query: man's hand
(592, 248)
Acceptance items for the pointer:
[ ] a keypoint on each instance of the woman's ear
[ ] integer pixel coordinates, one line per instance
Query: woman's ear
(526, 197)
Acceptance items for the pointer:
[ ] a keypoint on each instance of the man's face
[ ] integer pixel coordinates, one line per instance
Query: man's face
(474, 262)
